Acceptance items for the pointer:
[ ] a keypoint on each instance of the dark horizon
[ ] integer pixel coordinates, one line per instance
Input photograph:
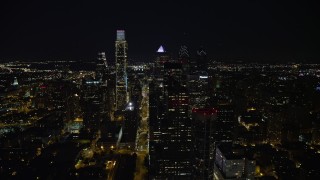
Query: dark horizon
(77, 30)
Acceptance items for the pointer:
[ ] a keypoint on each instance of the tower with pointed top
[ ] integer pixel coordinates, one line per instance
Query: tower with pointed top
(184, 58)
(183, 54)
(121, 69)
(161, 58)
(170, 141)
(202, 59)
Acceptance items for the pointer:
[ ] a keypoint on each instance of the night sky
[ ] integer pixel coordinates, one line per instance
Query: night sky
(77, 30)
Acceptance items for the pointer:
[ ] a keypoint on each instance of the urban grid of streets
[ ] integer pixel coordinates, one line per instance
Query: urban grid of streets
(142, 144)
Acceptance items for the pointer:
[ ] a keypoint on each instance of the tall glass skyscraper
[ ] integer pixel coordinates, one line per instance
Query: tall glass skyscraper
(121, 69)
(170, 126)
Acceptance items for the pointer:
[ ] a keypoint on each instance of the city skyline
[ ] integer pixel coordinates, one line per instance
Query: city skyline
(182, 118)
(159, 90)
(76, 30)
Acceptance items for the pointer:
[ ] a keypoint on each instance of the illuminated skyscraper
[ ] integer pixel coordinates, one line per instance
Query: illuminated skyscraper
(121, 69)
(198, 89)
(162, 57)
(184, 54)
(92, 105)
(200, 62)
(102, 65)
(102, 59)
(170, 127)
(184, 58)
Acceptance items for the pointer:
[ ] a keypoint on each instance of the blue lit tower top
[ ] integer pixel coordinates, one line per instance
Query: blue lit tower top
(121, 35)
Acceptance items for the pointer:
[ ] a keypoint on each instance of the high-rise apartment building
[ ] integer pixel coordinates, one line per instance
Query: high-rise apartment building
(233, 162)
(224, 124)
